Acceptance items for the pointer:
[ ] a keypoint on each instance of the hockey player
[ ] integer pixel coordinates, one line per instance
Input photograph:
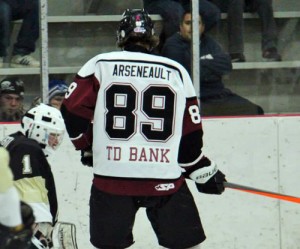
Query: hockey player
(16, 218)
(42, 132)
(145, 141)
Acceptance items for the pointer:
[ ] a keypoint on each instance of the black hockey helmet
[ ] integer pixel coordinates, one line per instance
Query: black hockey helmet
(135, 23)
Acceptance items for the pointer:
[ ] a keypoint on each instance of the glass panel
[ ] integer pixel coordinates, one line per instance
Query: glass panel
(90, 7)
(263, 80)
(72, 44)
(78, 30)
(19, 56)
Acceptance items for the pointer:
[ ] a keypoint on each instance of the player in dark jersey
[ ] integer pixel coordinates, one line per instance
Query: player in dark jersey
(16, 218)
(144, 141)
(42, 132)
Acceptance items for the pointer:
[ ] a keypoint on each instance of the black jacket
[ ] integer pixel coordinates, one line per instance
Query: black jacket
(211, 70)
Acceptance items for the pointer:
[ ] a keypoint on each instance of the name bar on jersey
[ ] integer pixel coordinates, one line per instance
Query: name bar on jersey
(141, 71)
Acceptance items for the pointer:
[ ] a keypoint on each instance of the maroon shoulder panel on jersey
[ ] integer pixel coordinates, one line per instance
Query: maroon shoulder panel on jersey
(82, 96)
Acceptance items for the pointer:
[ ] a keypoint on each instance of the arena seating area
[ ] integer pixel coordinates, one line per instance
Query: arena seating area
(79, 29)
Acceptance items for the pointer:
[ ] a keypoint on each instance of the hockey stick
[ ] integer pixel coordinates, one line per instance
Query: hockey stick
(262, 192)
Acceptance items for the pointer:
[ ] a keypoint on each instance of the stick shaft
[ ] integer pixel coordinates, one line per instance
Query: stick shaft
(262, 192)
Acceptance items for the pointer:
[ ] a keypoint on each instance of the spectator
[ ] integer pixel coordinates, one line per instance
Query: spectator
(146, 141)
(11, 99)
(171, 12)
(235, 10)
(216, 100)
(57, 91)
(28, 11)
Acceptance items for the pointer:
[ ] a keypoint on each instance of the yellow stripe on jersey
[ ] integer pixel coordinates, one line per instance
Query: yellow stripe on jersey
(6, 177)
(32, 190)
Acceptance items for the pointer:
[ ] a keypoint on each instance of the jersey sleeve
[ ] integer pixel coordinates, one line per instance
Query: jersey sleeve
(6, 176)
(10, 213)
(190, 156)
(10, 209)
(79, 105)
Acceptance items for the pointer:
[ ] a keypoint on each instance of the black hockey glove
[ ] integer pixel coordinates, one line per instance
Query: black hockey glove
(215, 185)
(87, 158)
(18, 237)
(27, 215)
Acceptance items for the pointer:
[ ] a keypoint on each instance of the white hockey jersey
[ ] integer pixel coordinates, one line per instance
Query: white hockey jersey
(146, 123)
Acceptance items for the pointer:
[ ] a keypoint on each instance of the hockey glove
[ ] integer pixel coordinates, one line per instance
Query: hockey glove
(61, 236)
(87, 158)
(18, 237)
(42, 237)
(215, 185)
(27, 215)
(64, 235)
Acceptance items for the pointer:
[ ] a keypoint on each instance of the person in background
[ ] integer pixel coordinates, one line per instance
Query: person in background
(215, 99)
(235, 21)
(11, 99)
(145, 142)
(171, 12)
(41, 134)
(28, 12)
(57, 91)
(16, 217)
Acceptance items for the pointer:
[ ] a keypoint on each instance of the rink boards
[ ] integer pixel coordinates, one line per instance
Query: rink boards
(262, 152)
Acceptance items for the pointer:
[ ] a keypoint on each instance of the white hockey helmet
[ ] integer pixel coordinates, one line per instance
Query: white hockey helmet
(44, 124)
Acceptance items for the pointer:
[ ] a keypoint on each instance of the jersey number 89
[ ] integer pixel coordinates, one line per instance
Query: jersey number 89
(123, 103)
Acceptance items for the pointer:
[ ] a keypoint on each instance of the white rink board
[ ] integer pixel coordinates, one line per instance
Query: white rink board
(261, 152)
(289, 155)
